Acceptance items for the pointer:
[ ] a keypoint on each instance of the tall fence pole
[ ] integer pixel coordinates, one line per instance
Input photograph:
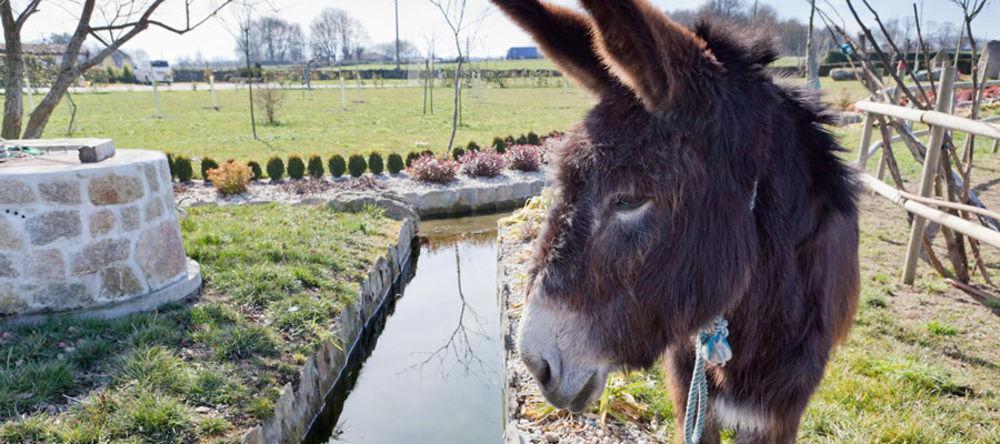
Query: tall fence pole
(927, 178)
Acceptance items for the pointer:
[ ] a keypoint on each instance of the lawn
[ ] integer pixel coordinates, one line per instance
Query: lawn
(387, 119)
(275, 279)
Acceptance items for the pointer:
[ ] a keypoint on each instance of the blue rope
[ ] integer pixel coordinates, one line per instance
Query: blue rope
(710, 346)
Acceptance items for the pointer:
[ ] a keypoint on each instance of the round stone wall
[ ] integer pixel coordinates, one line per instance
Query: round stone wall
(99, 238)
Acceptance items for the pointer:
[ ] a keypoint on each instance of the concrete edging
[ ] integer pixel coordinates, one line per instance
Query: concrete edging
(297, 406)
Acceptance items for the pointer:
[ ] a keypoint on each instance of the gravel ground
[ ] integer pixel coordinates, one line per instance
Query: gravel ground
(295, 191)
(528, 418)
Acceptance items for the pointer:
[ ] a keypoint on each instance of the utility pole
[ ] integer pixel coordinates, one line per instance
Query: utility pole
(397, 35)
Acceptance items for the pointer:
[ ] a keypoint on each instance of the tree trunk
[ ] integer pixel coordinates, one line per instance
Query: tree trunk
(13, 106)
(812, 68)
(458, 92)
(40, 116)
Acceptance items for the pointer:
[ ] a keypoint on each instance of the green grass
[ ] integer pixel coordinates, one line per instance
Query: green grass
(387, 119)
(150, 377)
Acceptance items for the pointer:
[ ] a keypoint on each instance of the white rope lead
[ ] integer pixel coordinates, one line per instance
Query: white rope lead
(710, 346)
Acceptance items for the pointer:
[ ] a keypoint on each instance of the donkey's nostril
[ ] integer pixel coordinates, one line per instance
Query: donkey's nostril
(540, 368)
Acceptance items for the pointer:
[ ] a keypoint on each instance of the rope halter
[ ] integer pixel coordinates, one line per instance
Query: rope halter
(711, 347)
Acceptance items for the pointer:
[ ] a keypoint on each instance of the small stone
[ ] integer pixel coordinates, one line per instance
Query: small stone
(551, 438)
(46, 228)
(154, 209)
(61, 296)
(130, 218)
(151, 177)
(118, 282)
(160, 253)
(114, 189)
(15, 192)
(100, 254)
(46, 265)
(60, 192)
(7, 269)
(102, 222)
(10, 239)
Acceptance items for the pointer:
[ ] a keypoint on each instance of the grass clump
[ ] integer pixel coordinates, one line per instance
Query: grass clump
(276, 169)
(337, 165)
(941, 329)
(296, 167)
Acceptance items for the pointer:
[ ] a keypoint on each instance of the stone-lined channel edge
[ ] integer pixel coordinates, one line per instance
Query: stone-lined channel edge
(299, 404)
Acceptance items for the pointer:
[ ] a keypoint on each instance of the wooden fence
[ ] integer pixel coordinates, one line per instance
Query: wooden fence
(922, 205)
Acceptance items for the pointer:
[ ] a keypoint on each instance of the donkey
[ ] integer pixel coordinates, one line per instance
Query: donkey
(695, 187)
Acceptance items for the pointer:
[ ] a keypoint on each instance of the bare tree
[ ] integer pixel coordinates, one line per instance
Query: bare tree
(454, 13)
(274, 40)
(324, 34)
(112, 23)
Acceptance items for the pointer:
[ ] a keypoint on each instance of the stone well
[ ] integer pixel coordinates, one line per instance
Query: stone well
(94, 239)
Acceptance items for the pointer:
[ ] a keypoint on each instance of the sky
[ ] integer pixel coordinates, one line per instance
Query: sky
(419, 21)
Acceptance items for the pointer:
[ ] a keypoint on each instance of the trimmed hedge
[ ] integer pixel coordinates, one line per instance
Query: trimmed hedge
(375, 163)
(410, 157)
(258, 174)
(315, 167)
(296, 167)
(395, 163)
(356, 165)
(184, 169)
(276, 169)
(170, 166)
(207, 164)
(337, 165)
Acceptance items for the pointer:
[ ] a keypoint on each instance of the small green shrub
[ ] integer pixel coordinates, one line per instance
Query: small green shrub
(509, 140)
(315, 167)
(410, 157)
(170, 166)
(459, 152)
(394, 163)
(184, 169)
(276, 169)
(533, 138)
(426, 153)
(499, 144)
(375, 163)
(296, 167)
(337, 165)
(207, 164)
(521, 140)
(231, 178)
(472, 146)
(356, 165)
(258, 174)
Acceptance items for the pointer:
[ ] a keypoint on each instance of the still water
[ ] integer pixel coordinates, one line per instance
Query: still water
(433, 372)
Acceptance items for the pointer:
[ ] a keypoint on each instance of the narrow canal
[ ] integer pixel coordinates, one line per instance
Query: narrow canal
(433, 373)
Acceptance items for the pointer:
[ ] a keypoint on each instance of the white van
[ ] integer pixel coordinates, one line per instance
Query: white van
(158, 70)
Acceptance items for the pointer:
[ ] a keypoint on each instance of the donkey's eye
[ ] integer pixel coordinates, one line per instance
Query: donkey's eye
(628, 202)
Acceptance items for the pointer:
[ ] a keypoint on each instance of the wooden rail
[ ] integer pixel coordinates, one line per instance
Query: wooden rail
(938, 121)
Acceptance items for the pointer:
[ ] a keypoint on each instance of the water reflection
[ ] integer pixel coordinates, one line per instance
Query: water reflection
(434, 374)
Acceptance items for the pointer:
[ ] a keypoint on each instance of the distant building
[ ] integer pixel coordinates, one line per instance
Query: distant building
(524, 52)
(54, 51)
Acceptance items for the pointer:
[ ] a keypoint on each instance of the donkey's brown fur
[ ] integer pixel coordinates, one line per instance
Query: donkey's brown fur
(695, 187)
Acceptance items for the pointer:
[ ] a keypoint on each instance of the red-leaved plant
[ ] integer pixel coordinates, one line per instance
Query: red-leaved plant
(427, 168)
(524, 157)
(482, 163)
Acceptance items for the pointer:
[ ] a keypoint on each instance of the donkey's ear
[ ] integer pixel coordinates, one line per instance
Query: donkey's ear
(665, 64)
(564, 36)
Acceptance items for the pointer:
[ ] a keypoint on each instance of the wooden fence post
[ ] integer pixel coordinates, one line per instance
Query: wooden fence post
(866, 140)
(927, 178)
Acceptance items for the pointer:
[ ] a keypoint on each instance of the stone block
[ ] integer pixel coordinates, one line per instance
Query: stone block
(10, 302)
(63, 296)
(130, 218)
(7, 267)
(114, 189)
(160, 253)
(48, 227)
(97, 152)
(151, 177)
(154, 209)
(10, 237)
(118, 282)
(15, 192)
(98, 255)
(46, 265)
(102, 222)
(61, 192)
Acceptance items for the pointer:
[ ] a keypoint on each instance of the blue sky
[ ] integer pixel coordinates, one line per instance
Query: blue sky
(419, 21)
